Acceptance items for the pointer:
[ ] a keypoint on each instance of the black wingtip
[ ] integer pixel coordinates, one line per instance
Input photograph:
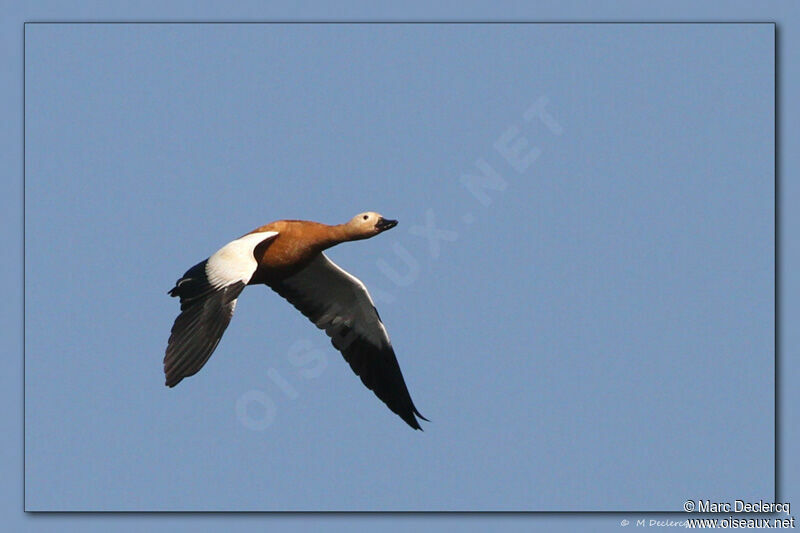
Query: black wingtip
(171, 381)
(412, 421)
(420, 415)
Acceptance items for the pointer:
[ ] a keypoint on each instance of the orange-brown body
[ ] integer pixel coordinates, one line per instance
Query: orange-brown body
(297, 243)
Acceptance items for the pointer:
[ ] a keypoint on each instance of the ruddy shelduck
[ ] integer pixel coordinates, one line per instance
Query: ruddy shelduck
(287, 256)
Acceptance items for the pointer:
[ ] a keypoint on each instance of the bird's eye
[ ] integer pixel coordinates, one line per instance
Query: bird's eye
(366, 217)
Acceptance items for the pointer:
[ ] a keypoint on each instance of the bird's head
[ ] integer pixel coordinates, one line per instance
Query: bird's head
(369, 224)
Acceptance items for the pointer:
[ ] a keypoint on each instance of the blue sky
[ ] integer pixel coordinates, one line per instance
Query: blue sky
(592, 323)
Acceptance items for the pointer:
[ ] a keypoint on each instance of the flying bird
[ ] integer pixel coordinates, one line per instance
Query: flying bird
(288, 256)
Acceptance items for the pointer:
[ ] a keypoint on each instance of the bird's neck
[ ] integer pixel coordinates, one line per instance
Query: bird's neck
(338, 234)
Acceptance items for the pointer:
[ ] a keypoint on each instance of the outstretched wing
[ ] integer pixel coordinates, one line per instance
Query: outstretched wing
(208, 293)
(339, 303)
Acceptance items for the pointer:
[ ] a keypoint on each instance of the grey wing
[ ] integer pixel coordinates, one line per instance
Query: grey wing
(206, 312)
(340, 304)
(208, 293)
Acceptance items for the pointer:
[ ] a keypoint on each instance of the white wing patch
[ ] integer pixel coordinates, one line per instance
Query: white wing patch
(235, 261)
